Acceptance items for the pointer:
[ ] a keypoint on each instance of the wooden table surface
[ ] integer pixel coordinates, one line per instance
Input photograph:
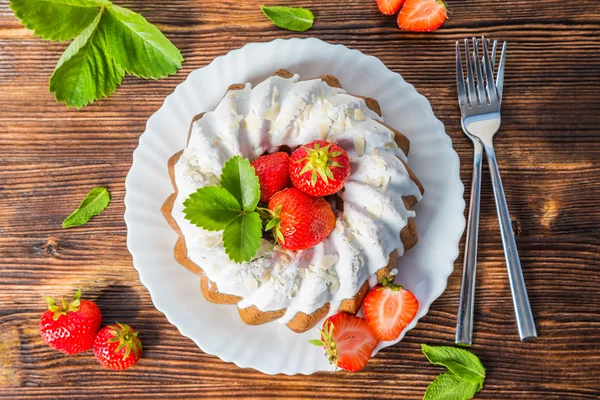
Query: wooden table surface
(548, 149)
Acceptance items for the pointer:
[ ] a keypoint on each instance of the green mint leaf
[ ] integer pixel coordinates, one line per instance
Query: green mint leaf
(137, 46)
(448, 386)
(241, 238)
(93, 204)
(211, 208)
(294, 19)
(239, 178)
(460, 362)
(86, 72)
(56, 19)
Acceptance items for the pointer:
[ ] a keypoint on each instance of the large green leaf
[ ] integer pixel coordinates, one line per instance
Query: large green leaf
(211, 208)
(241, 238)
(57, 19)
(240, 179)
(138, 46)
(85, 72)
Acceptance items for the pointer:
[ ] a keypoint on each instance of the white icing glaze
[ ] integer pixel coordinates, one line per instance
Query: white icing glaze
(290, 112)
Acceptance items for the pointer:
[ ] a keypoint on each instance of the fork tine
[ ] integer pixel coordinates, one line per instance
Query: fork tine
(460, 80)
(493, 59)
(500, 74)
(493, 56)
(470, 80)
(491, 87)
(478, 70)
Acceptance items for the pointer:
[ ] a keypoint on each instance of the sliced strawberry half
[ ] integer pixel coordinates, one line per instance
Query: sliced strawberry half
(348, 341)
(422, 15)
(389, 309)
(389, 7)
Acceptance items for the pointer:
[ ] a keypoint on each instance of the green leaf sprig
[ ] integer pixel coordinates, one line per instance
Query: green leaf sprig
(231, 208)
(109, 42)
(93, 204)
(296, 19)
(464, 378)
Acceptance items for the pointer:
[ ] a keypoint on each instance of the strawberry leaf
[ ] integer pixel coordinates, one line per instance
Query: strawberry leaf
(239, 178)
(56, 19)
(85, 72)
(211, 208)
(241, 237)
(109, 41)
(139, 47)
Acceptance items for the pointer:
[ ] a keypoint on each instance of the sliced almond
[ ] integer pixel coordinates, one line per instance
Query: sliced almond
(375, 210)
(359, 114)
(359, 145)
(335, 286)
(252, 122)
(236, 121)
(251, 284)
(271, 113)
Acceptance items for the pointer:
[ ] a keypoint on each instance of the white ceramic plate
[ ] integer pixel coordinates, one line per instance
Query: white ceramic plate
(217, 329)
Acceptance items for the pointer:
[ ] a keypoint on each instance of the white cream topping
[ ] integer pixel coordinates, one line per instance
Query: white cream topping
(277, 112)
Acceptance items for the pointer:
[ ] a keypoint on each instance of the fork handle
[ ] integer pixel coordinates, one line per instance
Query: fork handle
(525, 322)
(464, 323)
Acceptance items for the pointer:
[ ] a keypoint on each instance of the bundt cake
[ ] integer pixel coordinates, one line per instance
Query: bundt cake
(374, 220)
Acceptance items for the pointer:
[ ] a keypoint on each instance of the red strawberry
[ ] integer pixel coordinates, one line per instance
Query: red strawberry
(319, 168)
(422, 15)
(348, 341)
(300, 221)
(117, 346)
(70, 328)
(389, 309)
(273, 174)
(389, 7)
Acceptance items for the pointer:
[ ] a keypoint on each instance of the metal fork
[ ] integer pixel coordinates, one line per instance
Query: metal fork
(480, 98)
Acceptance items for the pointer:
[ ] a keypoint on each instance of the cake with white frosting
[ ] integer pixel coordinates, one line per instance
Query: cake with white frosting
(374, 216)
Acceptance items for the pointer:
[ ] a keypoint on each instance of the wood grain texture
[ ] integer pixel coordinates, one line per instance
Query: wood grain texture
(548, 149)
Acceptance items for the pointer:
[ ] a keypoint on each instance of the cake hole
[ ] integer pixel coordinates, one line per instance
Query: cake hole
(285, 149)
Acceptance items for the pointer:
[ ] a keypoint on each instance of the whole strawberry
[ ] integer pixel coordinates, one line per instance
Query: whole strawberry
(70, 328)
(300, 221)
(319, 168)
(117, 346)
(273, 174)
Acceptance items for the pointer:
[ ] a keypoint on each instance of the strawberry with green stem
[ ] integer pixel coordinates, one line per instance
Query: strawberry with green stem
(70, 328)
(319, 168)
(299, 221)
(117, 346)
